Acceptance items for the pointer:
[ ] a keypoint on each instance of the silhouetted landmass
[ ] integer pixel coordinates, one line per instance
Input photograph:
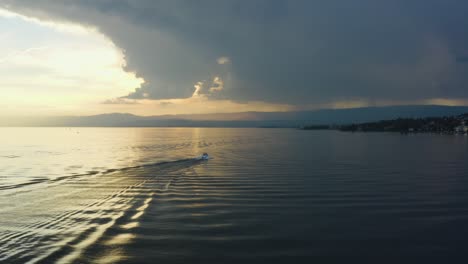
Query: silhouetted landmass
(444, 125)
(245, 119)
(317, 127)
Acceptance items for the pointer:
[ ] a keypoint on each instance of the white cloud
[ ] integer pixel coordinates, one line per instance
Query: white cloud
(120, 100)
(62, 26)
(61, 70)
(206, 88)
(198, 88)
(223, 60)
(218, 84)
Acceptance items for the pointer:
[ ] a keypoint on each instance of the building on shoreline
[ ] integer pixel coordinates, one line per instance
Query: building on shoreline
(439, 125)
(462, 128)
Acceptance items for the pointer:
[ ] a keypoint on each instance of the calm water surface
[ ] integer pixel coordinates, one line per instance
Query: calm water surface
(135, 195)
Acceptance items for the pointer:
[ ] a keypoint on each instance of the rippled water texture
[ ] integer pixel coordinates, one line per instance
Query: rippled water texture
(136, 195)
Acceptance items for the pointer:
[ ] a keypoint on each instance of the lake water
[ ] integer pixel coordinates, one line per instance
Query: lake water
(135, 195)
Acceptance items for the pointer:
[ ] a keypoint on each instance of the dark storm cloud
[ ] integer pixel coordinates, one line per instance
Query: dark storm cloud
(282, 51)
(462, 59)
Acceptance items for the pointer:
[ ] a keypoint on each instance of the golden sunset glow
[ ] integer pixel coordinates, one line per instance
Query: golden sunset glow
(69, 67)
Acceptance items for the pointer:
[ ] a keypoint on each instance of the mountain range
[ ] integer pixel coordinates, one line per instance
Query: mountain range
(244, 119)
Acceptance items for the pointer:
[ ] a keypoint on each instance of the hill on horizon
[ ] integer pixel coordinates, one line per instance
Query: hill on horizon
(242, 119)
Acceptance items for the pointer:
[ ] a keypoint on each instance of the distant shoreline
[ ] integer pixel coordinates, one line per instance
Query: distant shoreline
(436, 125)
(294, 119)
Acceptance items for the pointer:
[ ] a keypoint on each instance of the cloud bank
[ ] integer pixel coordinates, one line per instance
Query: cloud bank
(291, 52)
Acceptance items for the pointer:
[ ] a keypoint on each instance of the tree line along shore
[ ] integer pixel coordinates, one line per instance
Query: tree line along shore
(440, 125)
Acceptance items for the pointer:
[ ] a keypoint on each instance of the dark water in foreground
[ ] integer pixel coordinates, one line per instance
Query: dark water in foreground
(96, 195)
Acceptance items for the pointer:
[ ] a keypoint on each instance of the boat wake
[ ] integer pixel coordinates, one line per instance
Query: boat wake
(57, 180)
(57, 220)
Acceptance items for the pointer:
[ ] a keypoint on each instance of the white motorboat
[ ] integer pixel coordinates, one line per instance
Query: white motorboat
(205, 156)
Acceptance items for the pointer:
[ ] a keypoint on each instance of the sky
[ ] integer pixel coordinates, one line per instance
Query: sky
(153, 57)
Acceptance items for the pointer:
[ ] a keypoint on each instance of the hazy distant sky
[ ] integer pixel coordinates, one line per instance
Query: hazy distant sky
(157, 57)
